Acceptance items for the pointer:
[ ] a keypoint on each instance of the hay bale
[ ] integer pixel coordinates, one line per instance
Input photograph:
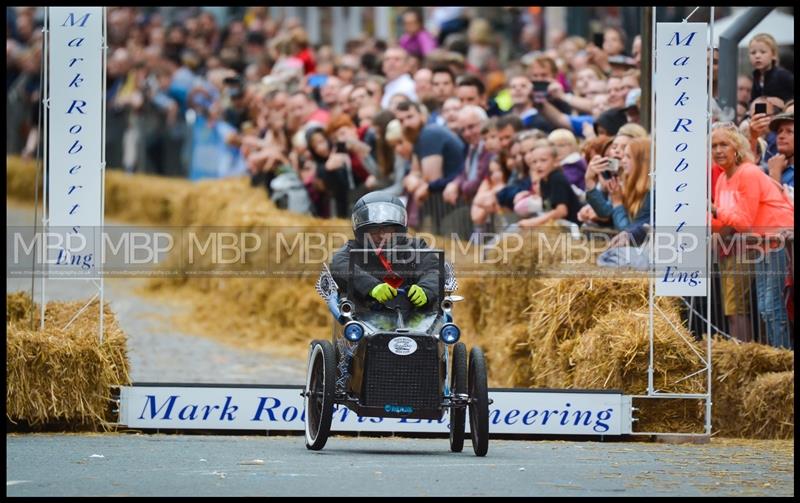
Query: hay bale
(768, 405)
(61, 378)
(20, 179)
(735, 366)
(19, 306)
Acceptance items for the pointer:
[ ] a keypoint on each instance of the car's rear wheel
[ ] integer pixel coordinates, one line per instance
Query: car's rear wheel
(458, 386)
(479, 402)
(319, 393)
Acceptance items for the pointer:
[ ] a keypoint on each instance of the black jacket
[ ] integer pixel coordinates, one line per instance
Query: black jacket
(778, 81)
(422, 270)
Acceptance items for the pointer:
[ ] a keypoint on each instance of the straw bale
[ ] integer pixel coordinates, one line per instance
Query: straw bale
(768, 406)
(735, 366)
(19, 306)
(60, 378)
(20, 179)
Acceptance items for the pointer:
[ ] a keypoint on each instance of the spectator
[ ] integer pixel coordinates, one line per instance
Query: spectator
(443, 83)
(744, 90)
(617, 92)
(303, 50)
(781, 165)
(423, 84)
(592, 147)
(519, 183)
(391, 166)
(484, 203)
(614, 41)
(348, 67)
(597, 197)
(302, 110)
(398, 81)
(360, 96)
(559, 202)
(481, 52)
(507, 127)
(471, 91)
(581, 99)
(415, 39)
(374, 85)
(323, 181)
(329, 94)
(522, 99)
(439, 153)
(346, 165)
(636, 51)
(450, 111)
(569, 158)
(472, 119)
(749, 201)
(769, 79)
(762, 140)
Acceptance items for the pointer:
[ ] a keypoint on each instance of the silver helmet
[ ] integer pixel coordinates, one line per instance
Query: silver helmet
(375, 209)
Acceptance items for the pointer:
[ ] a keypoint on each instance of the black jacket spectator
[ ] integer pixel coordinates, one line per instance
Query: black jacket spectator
(778, 81)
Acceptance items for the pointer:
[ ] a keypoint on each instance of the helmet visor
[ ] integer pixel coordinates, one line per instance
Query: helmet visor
(380, 213)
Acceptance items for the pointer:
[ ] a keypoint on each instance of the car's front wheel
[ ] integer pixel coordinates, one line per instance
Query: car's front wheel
(319, 393)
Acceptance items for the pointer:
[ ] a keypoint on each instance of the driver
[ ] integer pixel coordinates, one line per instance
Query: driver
(380, 223)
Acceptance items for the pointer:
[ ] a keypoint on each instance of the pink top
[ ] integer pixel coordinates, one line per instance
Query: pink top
(751, 201)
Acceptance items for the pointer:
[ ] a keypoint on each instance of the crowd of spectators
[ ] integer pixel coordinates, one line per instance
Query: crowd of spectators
(553, 137)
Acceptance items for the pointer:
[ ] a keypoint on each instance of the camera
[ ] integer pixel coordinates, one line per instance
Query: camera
(612, 169)
(597, 39)
(760, 108)
(341, 147)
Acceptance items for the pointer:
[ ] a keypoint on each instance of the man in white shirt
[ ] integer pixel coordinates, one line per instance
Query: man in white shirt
(398, 81)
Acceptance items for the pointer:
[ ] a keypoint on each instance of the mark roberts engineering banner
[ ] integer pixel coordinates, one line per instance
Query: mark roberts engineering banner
(681, 159)
(74, 133)
(281, 408)
(76, 100)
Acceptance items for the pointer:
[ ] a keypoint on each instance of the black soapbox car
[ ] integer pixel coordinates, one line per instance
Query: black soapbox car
(393, 360)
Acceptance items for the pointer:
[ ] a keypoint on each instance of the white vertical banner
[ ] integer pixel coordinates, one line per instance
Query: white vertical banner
(75, 136)
(681, 159)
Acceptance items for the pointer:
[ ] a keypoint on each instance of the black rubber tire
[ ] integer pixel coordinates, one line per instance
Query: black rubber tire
(479, 404)
(321, 380)
(458, 385)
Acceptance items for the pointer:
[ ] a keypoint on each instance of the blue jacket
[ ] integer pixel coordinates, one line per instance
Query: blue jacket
(619, 215)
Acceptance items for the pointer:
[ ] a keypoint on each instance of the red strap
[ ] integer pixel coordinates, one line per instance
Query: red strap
(392, 279)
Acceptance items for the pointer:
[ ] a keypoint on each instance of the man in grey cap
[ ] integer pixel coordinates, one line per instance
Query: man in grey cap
(781, 165)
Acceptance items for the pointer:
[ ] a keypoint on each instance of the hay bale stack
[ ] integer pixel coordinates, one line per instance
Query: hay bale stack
(19, 306)
(61, 378)
(615, 354)
(768, 405)
(20, 179)
(565, 309)
(735, 367)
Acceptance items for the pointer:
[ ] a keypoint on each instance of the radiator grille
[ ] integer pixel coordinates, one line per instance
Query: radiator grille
(402, 380)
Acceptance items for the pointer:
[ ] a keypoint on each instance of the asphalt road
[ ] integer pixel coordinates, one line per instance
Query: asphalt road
(195, 465)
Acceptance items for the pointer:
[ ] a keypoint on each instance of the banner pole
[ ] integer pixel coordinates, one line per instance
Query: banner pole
(104, 59)
(45, 207)
(652, 198)
(709, 235)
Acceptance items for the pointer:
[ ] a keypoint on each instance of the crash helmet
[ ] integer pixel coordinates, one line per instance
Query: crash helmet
(378, 209)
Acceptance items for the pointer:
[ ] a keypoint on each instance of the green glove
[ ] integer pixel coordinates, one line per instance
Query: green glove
(417, 295)
(383, 292)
